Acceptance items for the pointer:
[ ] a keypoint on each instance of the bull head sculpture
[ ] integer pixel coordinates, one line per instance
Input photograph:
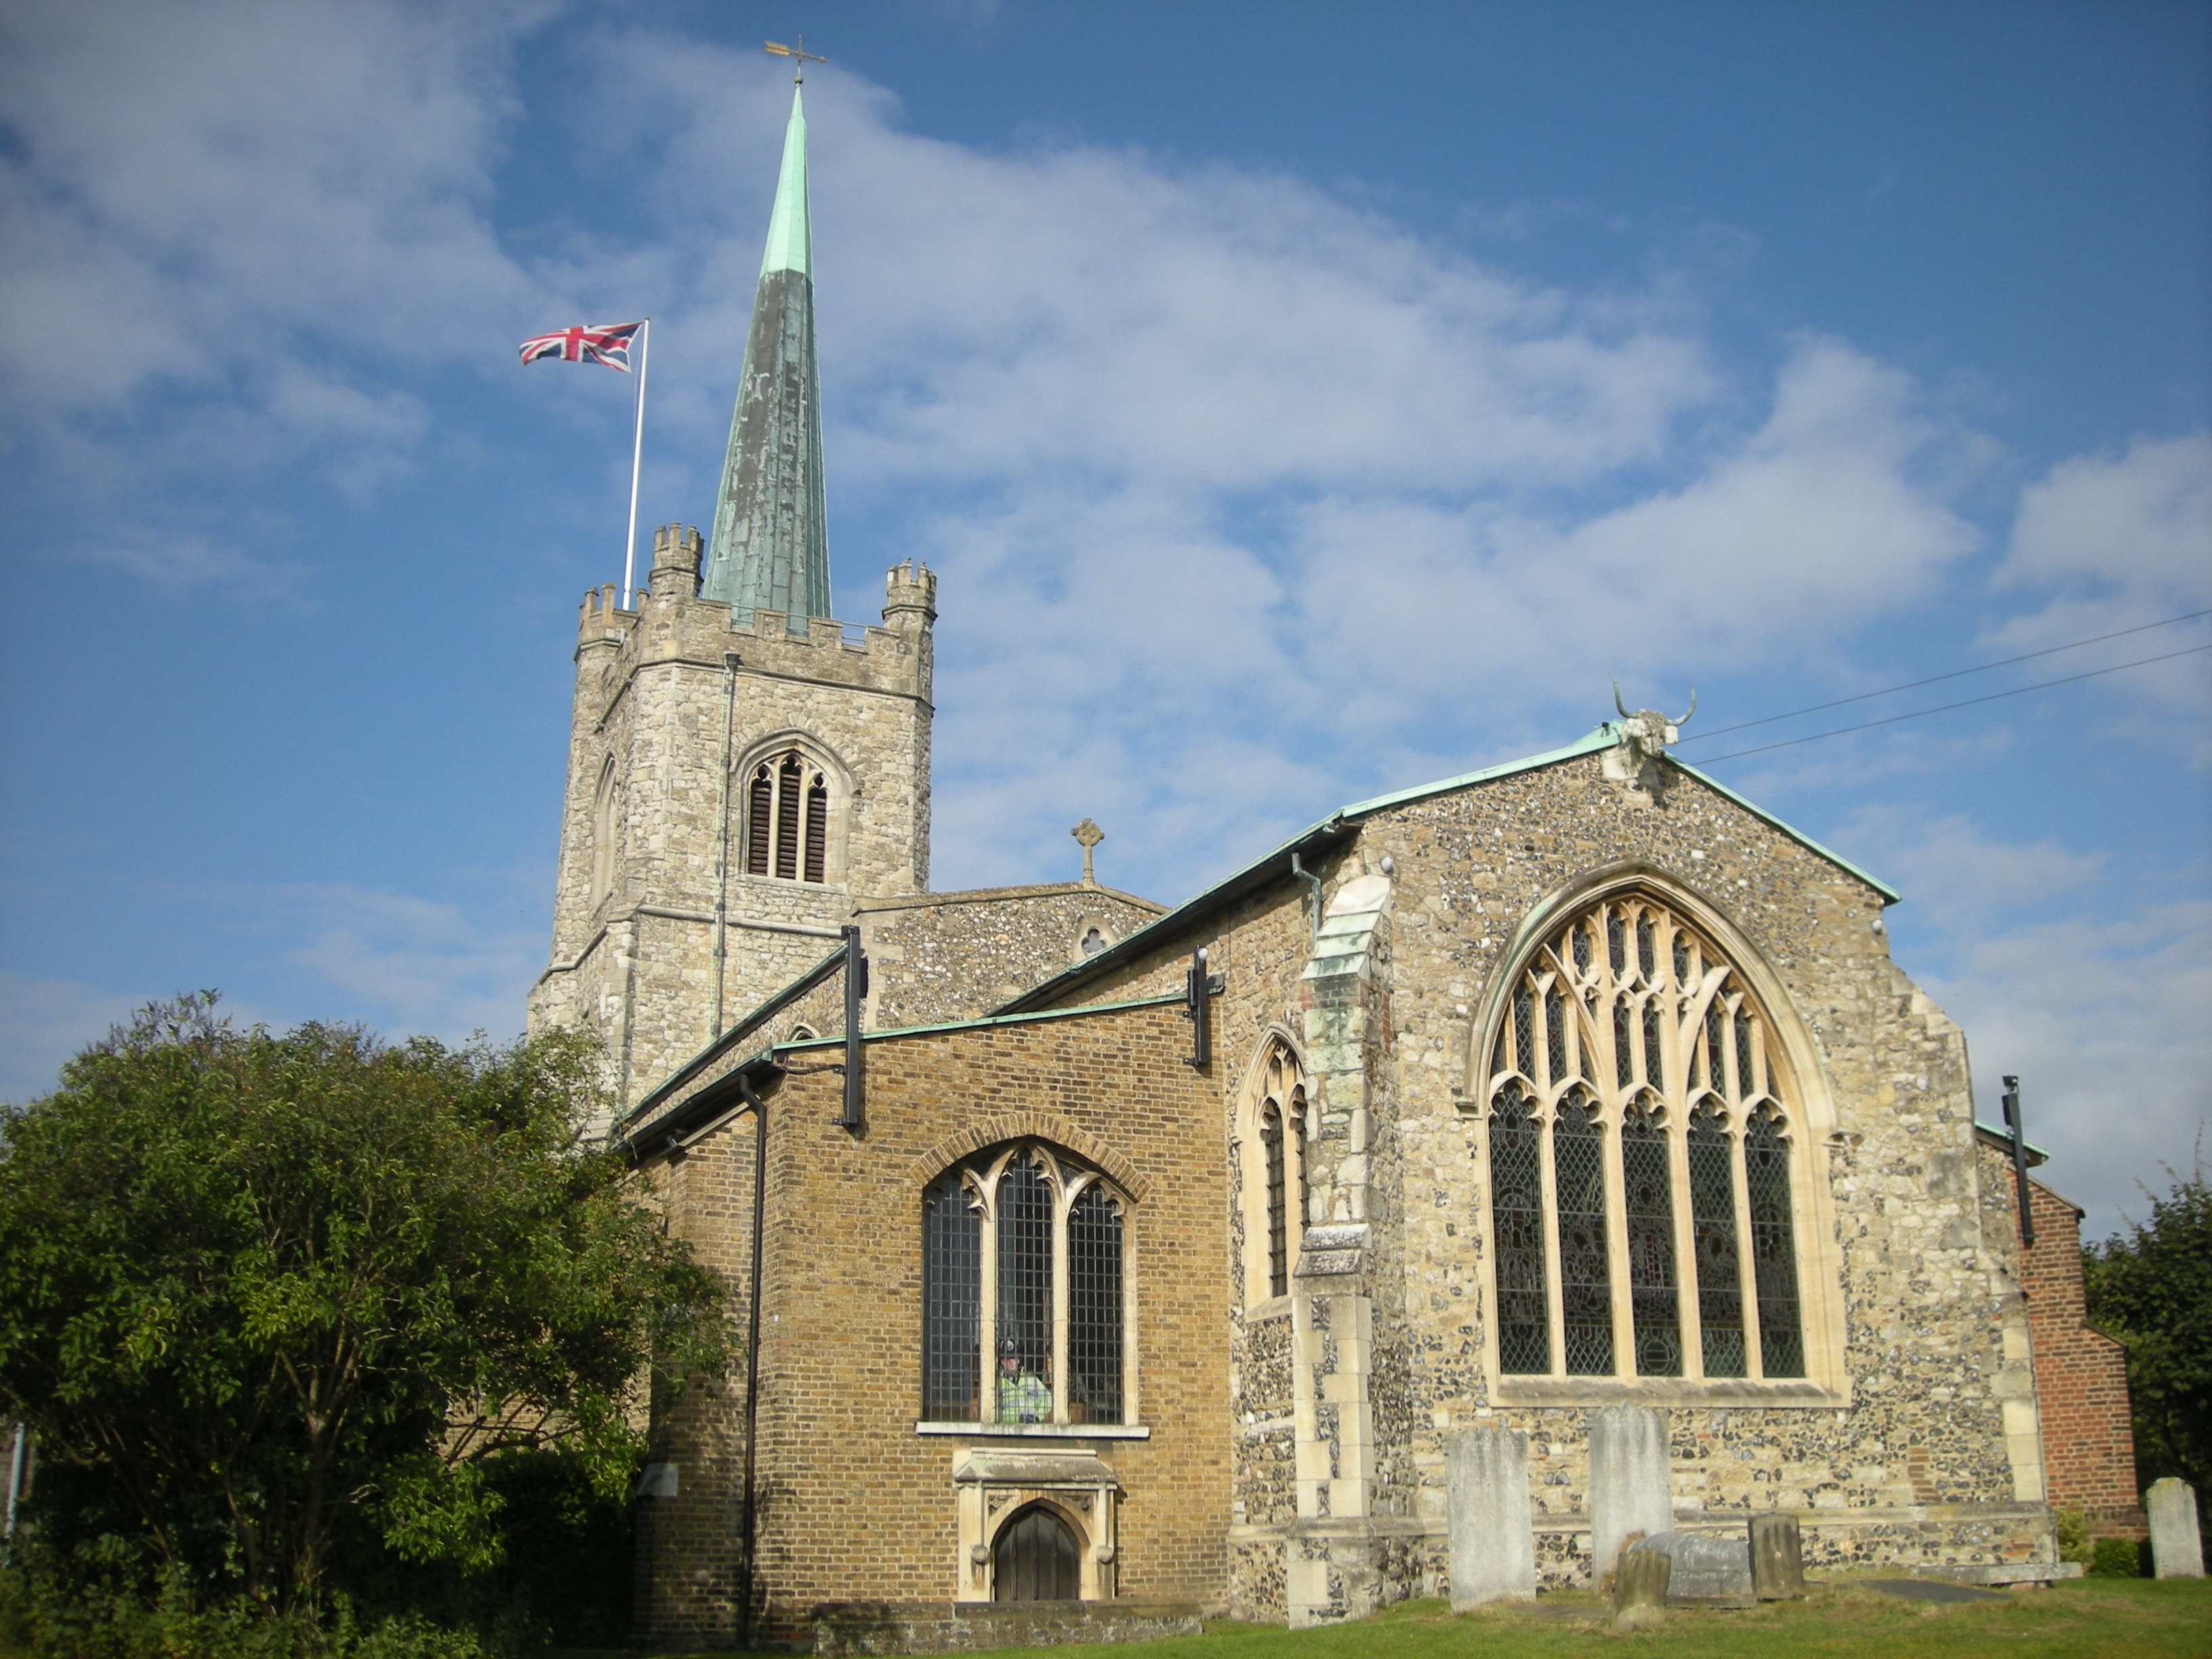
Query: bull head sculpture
(1645, 736)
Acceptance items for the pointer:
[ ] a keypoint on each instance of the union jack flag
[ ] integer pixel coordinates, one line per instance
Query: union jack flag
(593, 343)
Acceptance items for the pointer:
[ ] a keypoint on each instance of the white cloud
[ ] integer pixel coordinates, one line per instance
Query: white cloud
(2096, 1002)
(209, 196)
(44, 1023)
(405, 964)
(2112, 541)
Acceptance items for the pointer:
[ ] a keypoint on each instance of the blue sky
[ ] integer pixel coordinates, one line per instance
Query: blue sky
(1298, 403)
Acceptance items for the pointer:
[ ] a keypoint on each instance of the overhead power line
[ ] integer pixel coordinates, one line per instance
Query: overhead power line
(1994, 696)
(1956, 673)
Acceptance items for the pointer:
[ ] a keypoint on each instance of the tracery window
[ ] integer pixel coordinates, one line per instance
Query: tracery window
(787, 819)
(1274, 1173)
(1640, 1131)
(1025, 1301)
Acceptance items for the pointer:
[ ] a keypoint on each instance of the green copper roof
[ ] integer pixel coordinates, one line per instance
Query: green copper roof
(790, 246)
(770, 546)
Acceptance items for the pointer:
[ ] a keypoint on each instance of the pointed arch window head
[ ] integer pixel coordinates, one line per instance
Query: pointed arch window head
(1640, 1126)
(602, 834)
(787, 819)
(1273, 1159)
(1025, 1310)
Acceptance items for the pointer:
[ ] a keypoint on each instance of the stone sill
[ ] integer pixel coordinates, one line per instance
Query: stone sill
(1663, 1391)
(1038, 1430)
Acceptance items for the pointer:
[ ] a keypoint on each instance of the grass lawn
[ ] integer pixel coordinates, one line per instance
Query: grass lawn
(2087, 1619)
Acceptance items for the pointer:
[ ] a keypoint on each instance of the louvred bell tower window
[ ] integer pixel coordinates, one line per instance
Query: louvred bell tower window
(787, 819)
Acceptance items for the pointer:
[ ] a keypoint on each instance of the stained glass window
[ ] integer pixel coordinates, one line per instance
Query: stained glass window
(1516, 1208)
(1585, 1277)
(1773, 1249)
(1712, 1223)
(1691, 1055)
(1647, 1195)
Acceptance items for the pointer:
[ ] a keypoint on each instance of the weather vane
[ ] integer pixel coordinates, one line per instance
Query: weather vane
(799, 55)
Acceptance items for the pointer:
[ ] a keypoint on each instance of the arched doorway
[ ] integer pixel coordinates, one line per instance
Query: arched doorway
(1035, 1559)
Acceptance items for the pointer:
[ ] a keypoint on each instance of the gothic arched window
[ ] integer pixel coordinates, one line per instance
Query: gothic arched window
(1634, 1083)
(787, 819)
(1274, 1161)
(603, 835)
(1011, 1238)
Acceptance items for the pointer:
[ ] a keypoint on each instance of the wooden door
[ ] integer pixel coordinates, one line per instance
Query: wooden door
(1035, 1559)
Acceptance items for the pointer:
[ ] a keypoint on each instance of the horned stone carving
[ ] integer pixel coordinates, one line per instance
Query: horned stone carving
(1643, 737)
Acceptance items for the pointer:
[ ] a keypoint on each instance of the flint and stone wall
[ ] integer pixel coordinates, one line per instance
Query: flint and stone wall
(1919, 1449)
(659, 701)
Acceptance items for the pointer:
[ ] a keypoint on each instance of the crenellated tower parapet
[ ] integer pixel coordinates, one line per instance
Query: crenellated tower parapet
(738, 783)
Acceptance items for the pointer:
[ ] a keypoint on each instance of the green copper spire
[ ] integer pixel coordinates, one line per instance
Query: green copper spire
(770, 549)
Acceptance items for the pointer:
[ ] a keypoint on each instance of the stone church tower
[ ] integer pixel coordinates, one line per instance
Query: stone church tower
(743, 771)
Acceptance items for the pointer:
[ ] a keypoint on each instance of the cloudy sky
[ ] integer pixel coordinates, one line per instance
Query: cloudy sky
(1297, 402)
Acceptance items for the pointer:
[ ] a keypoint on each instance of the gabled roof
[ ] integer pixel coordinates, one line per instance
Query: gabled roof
(1343, 823)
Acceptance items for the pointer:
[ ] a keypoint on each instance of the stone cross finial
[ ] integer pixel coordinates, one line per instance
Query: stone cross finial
(1090, 835)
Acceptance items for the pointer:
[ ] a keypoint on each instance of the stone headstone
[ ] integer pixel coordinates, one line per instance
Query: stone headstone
(1709, 1571)
(1778, 1559)
(2177, 1549)
(1639, 1587)
(1493, 1539)
(1628, 1485)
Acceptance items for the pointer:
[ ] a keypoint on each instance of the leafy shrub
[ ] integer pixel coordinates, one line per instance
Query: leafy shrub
(2116, 1558)
(2075, 1543)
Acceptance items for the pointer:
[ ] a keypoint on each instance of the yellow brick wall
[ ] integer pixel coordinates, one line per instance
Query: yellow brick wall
(854, 1504)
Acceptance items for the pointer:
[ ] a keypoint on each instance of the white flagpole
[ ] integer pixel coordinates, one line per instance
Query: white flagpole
(636, 455)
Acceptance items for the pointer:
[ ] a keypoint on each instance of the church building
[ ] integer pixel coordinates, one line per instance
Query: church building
(1101, 1267)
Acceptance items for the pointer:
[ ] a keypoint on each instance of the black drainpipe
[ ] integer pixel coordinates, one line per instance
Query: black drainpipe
(749, 1576)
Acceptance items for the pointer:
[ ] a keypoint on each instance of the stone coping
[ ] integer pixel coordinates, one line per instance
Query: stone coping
(1038, 1430)
(992, 895)
(1795, 1394)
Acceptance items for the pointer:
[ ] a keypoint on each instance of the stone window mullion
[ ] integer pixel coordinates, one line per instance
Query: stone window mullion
(987, 1322)
(1063, 1201)
(1691, 1312)
(1555, 1313)
(1747, 1265)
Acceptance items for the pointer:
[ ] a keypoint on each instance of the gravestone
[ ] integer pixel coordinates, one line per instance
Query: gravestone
(1777, 1559)
(1493, 1539)
(2177, 1549)
(1628, 1485)
(1708, 1571)
(1640, 1586)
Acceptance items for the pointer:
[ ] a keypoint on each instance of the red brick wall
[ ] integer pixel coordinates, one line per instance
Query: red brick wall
(2080, 1377)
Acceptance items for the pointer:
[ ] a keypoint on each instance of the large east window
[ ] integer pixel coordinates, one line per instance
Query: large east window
(1640, 1124)
(1025, 1308)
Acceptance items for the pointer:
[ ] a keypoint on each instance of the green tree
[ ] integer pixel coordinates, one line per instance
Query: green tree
(2151, 1288)
(275, 1304)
